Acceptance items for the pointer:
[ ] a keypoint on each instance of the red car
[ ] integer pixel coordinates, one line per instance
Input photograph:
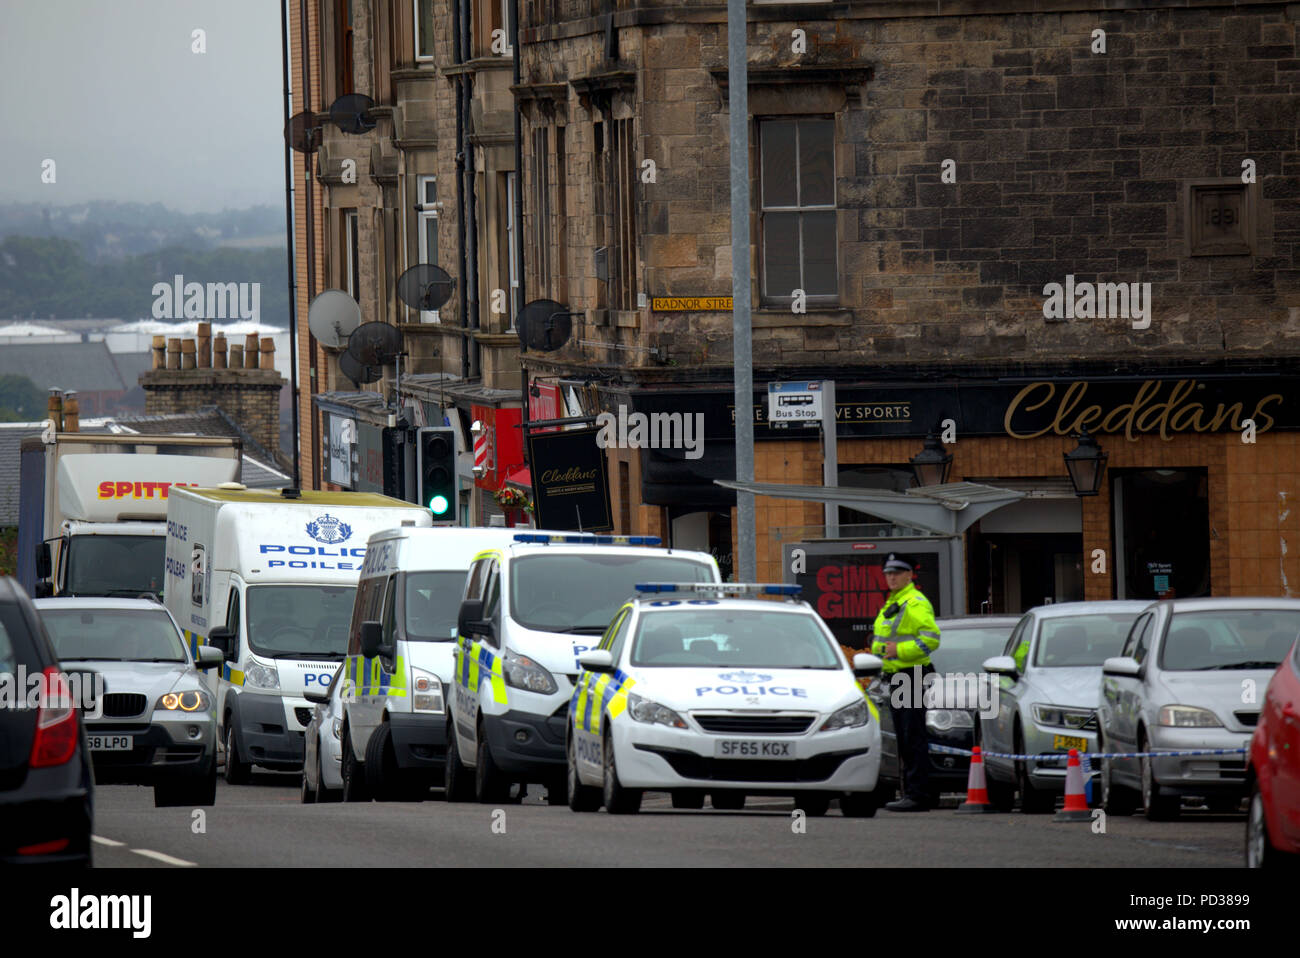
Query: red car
(1273, 775)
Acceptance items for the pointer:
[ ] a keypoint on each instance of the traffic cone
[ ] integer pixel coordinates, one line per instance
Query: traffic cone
(1076, 805)
(977, 793)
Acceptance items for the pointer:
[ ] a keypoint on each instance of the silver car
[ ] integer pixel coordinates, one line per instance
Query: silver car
(1191, 675)
(1049, 676)
(322, 771)
(158, 726)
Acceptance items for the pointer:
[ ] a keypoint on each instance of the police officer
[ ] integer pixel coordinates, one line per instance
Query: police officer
(905, 635)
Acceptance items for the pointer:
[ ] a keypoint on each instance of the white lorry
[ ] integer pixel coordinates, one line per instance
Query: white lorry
(270, 579)
(92, 506)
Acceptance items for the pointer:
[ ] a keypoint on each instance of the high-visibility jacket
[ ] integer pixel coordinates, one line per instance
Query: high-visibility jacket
(912, 627)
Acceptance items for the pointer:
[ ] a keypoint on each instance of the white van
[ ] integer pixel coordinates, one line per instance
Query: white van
(270, 581)
(399, 664)
(529, 610)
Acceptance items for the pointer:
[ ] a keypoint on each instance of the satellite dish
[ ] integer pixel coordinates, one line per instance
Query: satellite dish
(360, 374)
(375, 344)
(332, 316)
(351, 113)
(544, 325)
(303, 132)
(425, 287)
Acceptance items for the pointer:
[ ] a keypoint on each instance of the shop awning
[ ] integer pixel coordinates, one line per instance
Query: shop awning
(945, 510)
(521, 478)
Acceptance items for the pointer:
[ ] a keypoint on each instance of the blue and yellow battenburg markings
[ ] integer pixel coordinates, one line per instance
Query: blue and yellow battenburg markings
(591, 699)
(473, 659)
(370, 678)
(194, 640)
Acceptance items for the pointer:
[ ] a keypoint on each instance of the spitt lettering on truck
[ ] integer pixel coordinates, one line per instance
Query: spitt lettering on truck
(109, 489)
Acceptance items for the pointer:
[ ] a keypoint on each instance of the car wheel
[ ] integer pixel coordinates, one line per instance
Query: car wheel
(490, 785)
(727, 801)
(1115, 799)
(457, 784)
(1260, 852)
(382, 774)
(324, 795)
(1159, 808)
(859, 804)
(582, 798)
(812, 804)
(618, 800)
(1033, 801)
(691, 798)
(238, 772)
(305, 793)
(354, 773)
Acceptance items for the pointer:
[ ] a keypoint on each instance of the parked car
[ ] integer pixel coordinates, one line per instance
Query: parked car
(322, 774)
(1273, 771)
(47, 788)
(964, 644)
(1049, 678)
(1190, 676)
(158, 725)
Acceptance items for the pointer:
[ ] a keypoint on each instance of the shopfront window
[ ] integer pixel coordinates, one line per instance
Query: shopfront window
(1162, 532)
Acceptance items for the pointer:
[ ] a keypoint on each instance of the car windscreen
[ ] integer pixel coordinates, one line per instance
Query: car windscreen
(432, 605)
(965, 649)
(732, 638)
(125, 635)
(1228, 639)
(115, 565)
(1074, 640)
(568, 593)
(10, 622)
(309, 621)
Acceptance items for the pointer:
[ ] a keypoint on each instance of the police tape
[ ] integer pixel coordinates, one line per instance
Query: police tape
(1056, 756)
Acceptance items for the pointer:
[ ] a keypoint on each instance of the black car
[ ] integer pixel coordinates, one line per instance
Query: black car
(964, 644)
(46, 784)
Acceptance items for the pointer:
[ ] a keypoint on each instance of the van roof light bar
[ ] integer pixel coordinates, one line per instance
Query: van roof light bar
(589, 540)
(715, 588)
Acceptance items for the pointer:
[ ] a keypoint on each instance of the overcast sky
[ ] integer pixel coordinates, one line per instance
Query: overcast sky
(111, 91)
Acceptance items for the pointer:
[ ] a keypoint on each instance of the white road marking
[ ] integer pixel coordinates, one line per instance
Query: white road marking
(167, 859)
(106, 841)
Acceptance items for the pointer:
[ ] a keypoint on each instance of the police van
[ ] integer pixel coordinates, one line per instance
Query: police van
(730, 690)
(270, 581)
(529, 610)
(400, 651)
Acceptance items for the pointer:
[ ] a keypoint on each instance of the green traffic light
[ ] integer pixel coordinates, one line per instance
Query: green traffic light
(438, 505)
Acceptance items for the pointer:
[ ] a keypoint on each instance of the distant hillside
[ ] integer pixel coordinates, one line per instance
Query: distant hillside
(114, 231)
(50, 277)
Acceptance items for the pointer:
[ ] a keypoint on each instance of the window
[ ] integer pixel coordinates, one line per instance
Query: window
(299, 618)
(390, 611)
(1144, 640)
(1143, 623)
(432, 605)
(541, 211)
(1081, 639)
(491, 16)
(607, 640)
(797, 215)
(427, 228)
(351, 260)
(1161, 519)
(511, 246)
(616, 211)
(114, 634)
(492, 596)
(423, 29)
(232, 614)
(343, 80)
(733, 638)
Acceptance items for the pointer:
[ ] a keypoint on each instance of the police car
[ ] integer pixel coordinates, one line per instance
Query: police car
(717, 688)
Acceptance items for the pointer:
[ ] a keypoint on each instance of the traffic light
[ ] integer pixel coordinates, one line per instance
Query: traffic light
(436, 469)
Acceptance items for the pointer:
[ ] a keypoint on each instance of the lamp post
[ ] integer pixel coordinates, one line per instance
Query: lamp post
(1086, 464)
(932, 464)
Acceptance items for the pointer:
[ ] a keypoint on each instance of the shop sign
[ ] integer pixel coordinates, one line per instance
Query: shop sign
(570, 481)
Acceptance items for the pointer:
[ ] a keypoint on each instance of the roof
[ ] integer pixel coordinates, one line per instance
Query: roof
(1098, 607)
(975, 621)
(307, 497)
(93, 602)
(1209, 604)
(84, 367)
(269, 466)
(12, 435)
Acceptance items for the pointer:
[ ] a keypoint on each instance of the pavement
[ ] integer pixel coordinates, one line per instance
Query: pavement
(263, 825)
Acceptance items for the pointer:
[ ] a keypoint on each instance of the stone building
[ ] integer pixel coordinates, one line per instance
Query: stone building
(924, 173)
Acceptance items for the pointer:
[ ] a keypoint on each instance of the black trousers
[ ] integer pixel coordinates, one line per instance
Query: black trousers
(909, 731)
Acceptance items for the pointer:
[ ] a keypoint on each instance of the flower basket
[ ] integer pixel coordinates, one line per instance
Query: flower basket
(510, 498)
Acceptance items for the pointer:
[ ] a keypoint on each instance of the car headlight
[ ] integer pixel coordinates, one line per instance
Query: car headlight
(191, 700)
(1187, 716)
(941, 720)
(523, 673)
(651, 712)
(261, 676)
(338, 728)
(1058, 717)
(851, 716)
(426, 692)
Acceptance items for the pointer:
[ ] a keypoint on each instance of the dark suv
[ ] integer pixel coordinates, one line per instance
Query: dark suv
(46, 786)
